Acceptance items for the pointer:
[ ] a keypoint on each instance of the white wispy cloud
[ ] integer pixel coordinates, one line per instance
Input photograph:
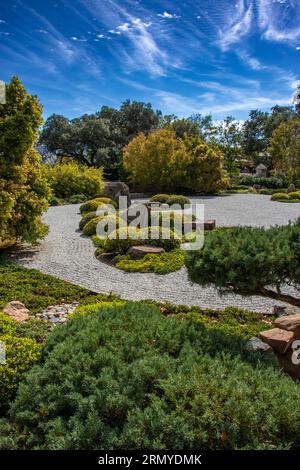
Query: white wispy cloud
(219, 100)
(237, 27)
(279, 20)
(74, 38)
(2, 21)
(168, 15)
(252, 62)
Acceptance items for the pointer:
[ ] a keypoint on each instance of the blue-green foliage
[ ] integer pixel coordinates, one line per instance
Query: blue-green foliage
(129, 378)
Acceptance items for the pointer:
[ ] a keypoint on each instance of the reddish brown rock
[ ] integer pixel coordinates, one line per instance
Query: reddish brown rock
(138, 252)
(17, 311)
(289, 323)
(288, 365)
(279, 339)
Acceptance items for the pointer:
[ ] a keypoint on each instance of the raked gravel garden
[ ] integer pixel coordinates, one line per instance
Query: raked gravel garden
(69, 255)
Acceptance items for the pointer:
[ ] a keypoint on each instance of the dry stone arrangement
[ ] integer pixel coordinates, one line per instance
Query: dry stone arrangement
(282, 340)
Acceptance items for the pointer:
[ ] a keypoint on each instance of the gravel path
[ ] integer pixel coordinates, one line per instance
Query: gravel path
(69, 255)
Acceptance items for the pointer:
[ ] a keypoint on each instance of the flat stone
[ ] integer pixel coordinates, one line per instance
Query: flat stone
(289, 323)
(256, 344)
(279, 339)
(138, 252)
(17, 311)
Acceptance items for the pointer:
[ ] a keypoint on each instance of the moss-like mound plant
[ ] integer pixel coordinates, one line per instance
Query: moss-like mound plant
(286, 197)
(86, 218)
(94, 204)
(160, 264)
(162, 198)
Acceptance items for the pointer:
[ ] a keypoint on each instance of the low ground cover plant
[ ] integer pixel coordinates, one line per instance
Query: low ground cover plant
(160, 264)
(37, 291)
(146, 381)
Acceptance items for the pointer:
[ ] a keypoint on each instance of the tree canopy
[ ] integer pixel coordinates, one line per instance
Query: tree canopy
(24, 191)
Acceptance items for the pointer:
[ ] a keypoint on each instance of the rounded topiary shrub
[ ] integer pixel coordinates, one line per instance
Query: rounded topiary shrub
(122, 239)
(86, 218)
(110, 223)
(160, 198)
(280, 197)
(128, 377)
(180, 200)
(93, 204)
(294, 195)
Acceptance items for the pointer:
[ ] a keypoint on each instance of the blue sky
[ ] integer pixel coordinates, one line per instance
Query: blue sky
(195, 56)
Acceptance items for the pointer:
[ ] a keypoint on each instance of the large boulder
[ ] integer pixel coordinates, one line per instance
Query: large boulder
(138, 252)
(289, 323)
(17, 311)
(278, 339)
(115, 189)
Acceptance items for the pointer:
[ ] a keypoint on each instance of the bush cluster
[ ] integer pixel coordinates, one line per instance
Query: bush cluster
(69, 179)
(267, 182)
(286, 197)
(163, 161)
(129, 378)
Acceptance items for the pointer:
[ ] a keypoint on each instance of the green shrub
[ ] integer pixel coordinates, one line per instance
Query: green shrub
(268, 192)
(116, 243)
(55, 201)
(108, 221)
(268, 182)
(93, 204)
(162, 198)
(180, 200)
(170, 199)
(160, 264)
(86, 218)
(69, 179)
(21, 354)
(295, 195)
(77, 199)
(249, 260)
(129, 378)
(280, 197)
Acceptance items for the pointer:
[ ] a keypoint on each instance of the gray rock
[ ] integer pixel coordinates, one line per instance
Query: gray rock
(115, 189)
(256, 344)
(292, 188)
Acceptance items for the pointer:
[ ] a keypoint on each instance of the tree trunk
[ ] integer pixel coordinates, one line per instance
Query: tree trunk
(276, 295)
